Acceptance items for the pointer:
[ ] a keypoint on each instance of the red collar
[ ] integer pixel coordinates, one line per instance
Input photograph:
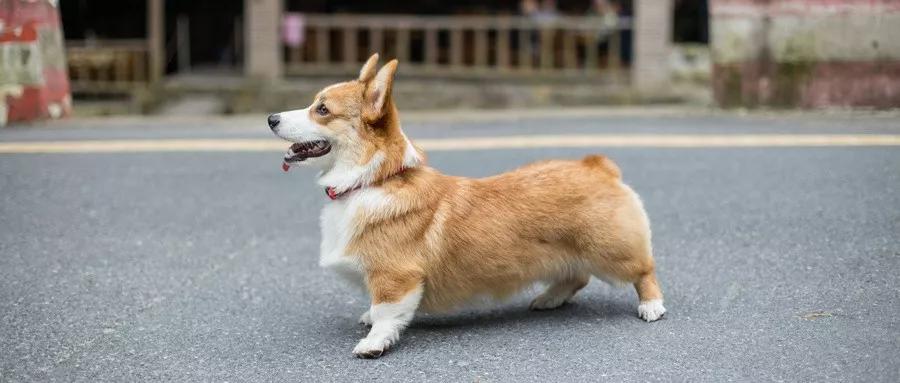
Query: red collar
(333, 194)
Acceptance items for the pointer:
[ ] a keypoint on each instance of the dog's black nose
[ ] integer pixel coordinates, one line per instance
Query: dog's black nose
(273, 119)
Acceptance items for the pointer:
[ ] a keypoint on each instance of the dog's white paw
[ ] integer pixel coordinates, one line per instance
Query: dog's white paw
(365, 318)
(549, 301)
(651, 310)
(371, 348)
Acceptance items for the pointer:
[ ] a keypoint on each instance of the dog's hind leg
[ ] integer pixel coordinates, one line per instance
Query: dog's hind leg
(560, 292)
(651, 306)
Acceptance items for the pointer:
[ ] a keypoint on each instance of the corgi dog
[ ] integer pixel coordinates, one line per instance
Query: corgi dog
(419, 240)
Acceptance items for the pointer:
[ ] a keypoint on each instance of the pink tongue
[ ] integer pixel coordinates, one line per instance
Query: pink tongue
(285, 166)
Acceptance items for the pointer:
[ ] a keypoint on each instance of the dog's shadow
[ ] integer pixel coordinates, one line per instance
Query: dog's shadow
(489, 322)
(495, 320)
(519, 315)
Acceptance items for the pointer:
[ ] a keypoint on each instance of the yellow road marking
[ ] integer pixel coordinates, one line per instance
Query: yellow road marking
(660, 141)
(469, 143)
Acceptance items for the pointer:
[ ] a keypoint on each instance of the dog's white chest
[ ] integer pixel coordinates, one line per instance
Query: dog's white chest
(339, 225)
(336, 221)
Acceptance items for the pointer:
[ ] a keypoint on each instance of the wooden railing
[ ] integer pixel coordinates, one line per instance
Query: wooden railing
(477, 46)
(102, 66)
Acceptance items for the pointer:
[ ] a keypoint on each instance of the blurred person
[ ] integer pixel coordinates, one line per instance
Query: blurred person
(528, 7)
(542, 14)
(610, 12)
(547, 13)
(606, 11)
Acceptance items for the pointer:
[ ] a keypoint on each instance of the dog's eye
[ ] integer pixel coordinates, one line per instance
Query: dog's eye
(322, 110)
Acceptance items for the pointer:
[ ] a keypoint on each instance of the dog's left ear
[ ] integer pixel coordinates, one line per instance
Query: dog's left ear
(368, 69)
(378, 91)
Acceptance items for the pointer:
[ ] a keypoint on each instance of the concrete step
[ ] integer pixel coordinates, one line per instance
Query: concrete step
(193, 105)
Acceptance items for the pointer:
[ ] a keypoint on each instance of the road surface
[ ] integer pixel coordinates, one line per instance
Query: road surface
(779, 262)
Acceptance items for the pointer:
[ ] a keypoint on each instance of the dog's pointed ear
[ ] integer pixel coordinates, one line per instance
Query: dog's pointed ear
(379, 90)
(368, 69)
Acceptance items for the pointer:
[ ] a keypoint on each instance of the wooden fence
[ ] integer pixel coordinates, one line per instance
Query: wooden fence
(446, 46)
(465, 46)
(105, 66)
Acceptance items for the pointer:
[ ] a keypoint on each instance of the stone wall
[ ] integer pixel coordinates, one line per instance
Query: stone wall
(806, 53)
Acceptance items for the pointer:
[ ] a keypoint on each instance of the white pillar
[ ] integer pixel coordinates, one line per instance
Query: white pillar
(262, 40)
(652, 42)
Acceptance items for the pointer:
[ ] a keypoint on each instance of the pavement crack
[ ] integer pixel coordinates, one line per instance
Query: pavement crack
(819, 314)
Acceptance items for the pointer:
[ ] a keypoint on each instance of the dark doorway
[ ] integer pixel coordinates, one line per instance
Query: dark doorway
(103, 19)
(202, 35)
(210, 32)
(691, 21)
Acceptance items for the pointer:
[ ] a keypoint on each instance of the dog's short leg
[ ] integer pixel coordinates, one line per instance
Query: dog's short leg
(394, 303)
(559, 293)
(651, 306)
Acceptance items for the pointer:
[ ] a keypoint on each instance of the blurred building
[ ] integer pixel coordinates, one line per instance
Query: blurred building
(806, 53)
(254, 52)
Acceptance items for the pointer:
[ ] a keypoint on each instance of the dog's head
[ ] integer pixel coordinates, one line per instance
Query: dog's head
(351, 131)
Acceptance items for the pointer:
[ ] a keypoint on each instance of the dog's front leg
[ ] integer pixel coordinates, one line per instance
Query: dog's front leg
(395, 299)
(366, 318)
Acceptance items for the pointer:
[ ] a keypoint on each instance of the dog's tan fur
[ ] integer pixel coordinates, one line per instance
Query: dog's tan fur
(554, 221)
(558, 222)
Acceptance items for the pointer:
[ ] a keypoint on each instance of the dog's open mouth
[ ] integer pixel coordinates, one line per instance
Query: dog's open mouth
(303, 150)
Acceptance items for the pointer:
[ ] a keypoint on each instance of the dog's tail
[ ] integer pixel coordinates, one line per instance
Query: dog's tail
(603, 164)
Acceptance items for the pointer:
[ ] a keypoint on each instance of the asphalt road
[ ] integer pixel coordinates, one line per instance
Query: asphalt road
(778, 264)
